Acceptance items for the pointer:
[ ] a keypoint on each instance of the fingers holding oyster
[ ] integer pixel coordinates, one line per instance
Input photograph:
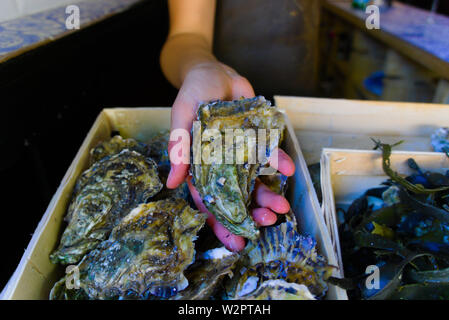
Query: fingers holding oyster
(270, 204)
(234, 193)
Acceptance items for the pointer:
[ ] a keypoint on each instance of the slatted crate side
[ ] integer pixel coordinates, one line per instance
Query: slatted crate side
(349, 124)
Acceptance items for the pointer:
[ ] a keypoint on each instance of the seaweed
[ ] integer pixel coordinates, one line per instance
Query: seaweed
(402, 228)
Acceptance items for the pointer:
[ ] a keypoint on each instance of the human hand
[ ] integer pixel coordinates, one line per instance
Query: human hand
(205, 82)
(269, 205)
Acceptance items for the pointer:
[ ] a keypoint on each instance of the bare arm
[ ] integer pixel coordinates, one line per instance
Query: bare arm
(190, 38)
(188, 63)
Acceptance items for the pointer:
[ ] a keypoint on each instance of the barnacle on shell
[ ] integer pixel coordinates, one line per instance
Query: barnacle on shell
(103, 195)
(225, 180)
(145, 256)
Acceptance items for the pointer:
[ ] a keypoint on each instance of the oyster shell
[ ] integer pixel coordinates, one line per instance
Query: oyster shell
(224, 185)
(115, 145)
(145, 255)
(279, 290)
(103, 195)
(206, 273)
(281, 253)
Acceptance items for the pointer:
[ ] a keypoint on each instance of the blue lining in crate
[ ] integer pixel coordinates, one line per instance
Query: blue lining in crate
(28, 31)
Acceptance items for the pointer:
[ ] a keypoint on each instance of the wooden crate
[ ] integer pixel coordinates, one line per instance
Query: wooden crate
(35, 274)
(349, 124)
(347, 174)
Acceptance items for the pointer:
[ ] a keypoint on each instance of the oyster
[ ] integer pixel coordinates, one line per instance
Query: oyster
(145, 255)
(103, 195)
(226, 184)
(115, 145)
(281, 253)
(279, 290)
(206, 273)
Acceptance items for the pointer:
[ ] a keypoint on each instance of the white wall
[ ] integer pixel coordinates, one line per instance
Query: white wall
(12, 9)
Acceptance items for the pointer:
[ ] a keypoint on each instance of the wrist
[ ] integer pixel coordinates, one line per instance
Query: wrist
(183, 52)
(198, 62)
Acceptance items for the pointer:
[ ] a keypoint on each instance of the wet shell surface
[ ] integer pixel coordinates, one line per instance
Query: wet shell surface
(145, 256)
(281, 253)
(206, 274)
(114, 146)
(224, 174)
(103, 195)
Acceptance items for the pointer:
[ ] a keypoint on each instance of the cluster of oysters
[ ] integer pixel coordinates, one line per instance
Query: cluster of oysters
(128, 237)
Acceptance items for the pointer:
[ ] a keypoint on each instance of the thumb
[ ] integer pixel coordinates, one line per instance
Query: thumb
(182, 116)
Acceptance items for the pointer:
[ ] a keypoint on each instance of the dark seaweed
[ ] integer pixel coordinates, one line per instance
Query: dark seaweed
(407, 239)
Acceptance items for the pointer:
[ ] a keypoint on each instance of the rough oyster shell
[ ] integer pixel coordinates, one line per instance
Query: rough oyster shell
(206, 273)
(145, 255)
(281, 253)
(279, 290)
(103, 195)
(226, 188)
(114, 146)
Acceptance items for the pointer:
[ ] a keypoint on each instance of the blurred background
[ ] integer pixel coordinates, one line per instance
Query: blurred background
(53, 83)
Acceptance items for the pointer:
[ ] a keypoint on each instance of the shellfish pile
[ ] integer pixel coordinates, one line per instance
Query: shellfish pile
(128, 237)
